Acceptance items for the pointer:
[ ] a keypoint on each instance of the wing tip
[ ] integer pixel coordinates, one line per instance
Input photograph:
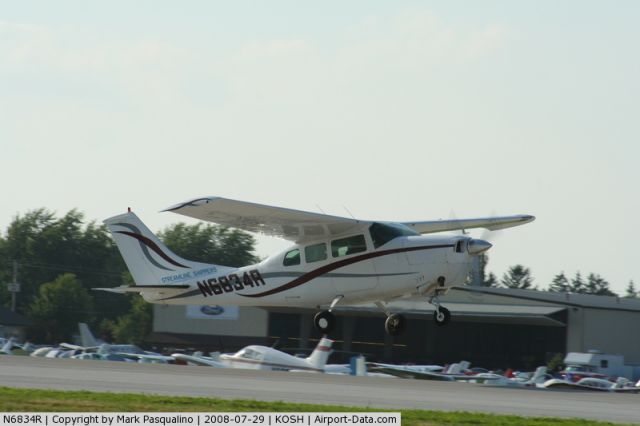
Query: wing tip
(194, 202)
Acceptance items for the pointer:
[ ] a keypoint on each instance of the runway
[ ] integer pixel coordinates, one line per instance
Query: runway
(374, 392)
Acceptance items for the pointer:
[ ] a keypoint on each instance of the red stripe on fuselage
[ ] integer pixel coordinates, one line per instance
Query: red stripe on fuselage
(339, 264)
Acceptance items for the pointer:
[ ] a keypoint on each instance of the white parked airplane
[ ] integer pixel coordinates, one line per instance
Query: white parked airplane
(333, 260)
(92, 348)
(265, 358)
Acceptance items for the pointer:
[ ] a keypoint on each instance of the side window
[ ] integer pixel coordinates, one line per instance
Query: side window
(349, 245)
(315, 253)
(292, 258)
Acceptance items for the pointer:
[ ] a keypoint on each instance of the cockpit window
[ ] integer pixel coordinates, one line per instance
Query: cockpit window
(292, 258)
(315, 253)
(349, 245)
(249, 354)
(382, 233)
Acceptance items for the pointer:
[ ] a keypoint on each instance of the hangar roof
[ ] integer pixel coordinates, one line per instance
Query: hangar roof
(513, 314)
(566, 299)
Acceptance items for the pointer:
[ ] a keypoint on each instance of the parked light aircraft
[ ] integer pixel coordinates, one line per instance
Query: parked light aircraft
(92, 348)
(265, 358)
(334, 260)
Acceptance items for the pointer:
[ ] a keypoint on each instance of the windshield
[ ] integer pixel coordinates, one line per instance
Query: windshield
(382, 233)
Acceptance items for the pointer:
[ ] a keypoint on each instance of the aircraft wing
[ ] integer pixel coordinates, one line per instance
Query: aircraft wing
(73, 347)
(199, 360)
(293, 225)
(490, 223)
(145, 357)
(406, 373)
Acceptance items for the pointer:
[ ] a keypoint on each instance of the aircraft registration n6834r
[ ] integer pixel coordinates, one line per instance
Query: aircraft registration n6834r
(333, 260)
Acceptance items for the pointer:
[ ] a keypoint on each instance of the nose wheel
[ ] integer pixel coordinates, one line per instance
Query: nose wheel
(441, 316)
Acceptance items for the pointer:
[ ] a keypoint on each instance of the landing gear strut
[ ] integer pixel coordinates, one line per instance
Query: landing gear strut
(441, 316)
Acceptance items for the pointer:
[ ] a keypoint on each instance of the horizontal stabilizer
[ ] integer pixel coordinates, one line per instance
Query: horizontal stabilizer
(141, 288)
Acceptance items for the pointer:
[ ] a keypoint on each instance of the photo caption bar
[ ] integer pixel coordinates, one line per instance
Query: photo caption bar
(198, 419)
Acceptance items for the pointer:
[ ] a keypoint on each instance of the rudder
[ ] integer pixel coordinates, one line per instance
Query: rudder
(148, 259)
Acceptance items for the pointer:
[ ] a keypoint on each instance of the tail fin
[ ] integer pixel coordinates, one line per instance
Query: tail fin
(320, 354)
(6, 349)
(539, 375)
(86, 337)
(148, 259)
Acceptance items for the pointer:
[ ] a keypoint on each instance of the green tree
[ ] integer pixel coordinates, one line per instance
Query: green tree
(632, 293)
(598, 286)
(518, 277)
(560, 283)
(577, 284)
(45, 246)
(491, 280)
(210, 244)
(136, 325)
(58, 308)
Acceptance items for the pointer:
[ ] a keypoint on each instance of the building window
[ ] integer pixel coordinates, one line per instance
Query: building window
(347, 246)
(315, 253)
(604, 363)
(292, 258)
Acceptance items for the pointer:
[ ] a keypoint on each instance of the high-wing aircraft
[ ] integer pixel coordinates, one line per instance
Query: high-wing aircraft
(334, 260)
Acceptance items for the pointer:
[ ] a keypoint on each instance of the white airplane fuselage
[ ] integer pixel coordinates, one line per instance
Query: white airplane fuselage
(404, 265)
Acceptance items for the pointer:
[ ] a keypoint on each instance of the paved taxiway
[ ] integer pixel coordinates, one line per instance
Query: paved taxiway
(68, 374)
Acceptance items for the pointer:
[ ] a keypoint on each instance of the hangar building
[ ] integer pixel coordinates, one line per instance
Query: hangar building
(490, 327)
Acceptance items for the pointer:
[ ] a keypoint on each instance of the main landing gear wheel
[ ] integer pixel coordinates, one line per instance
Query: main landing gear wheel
(395, 324)
(441, 316)
(324, 322)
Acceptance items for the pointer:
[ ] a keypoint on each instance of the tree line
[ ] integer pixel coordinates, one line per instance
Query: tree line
(60, 259)
(520, 277)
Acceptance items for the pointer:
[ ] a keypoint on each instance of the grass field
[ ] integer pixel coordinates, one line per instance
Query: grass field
(47, 400)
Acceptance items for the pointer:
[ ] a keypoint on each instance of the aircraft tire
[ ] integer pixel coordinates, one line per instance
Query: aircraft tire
(324, 322)
(442, 316)
(395, 324)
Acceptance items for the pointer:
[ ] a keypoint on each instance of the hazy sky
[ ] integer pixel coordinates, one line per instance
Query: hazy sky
(409, 110)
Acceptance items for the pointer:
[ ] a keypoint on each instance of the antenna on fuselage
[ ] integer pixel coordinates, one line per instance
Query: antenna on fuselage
(348, 211)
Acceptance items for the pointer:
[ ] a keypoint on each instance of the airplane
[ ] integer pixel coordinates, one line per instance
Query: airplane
(334, 260)
(96, 349)
(424, 372)
(259, 357)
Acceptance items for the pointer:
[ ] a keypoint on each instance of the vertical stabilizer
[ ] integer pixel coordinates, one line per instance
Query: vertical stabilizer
(148, 259)
(86, 336)
(539, 375)
(320, 354)
(6, 349)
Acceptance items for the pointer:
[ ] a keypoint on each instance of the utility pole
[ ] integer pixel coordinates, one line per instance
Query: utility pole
(14, 287)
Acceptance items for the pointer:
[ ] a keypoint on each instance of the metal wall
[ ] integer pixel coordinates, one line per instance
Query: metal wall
(251, 322)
